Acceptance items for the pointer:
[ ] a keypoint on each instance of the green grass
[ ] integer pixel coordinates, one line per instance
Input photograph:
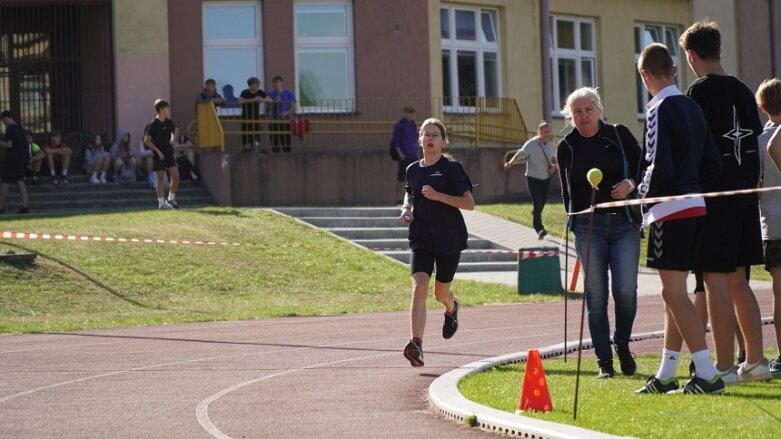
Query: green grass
(288, 269)
(554, 218)
(610, 406)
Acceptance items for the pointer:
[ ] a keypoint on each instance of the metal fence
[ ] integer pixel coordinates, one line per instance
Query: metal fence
(56, 68)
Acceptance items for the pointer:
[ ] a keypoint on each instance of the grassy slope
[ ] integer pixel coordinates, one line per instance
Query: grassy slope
(288, 269)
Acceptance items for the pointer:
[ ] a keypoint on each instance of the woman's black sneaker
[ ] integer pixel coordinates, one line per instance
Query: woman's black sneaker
(605, 369)
(451, 321)
(626, 359)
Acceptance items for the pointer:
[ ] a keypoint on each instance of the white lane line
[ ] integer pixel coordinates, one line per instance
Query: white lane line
(202, 410)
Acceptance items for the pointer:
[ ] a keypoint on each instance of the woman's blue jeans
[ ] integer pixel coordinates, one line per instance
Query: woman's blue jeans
(615, 246)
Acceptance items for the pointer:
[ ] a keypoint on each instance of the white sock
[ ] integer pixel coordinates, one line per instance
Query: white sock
(64, 172)
(668, 366)
(704, 365)
(94, 175)
(103, 174)
(171, 196)
(53, 174)
(160, 201)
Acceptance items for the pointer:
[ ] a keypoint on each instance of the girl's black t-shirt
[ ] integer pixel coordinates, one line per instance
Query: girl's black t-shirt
(437, 227)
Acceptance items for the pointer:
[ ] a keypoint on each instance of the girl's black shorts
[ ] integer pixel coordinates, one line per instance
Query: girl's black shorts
(423, 261)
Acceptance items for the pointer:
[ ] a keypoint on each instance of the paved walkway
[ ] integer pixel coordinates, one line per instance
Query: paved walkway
(515, 236)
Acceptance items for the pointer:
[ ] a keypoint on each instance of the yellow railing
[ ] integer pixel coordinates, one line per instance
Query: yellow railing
(476, 121)
(207, 127)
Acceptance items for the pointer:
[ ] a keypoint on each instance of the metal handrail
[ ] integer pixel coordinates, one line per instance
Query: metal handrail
(479, 121)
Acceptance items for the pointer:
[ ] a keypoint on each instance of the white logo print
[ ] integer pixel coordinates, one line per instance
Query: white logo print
(650, 148)
(736, 134)
(436, 174)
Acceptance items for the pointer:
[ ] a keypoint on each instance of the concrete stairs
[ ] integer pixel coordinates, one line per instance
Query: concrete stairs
(379, 229)
(82, 196)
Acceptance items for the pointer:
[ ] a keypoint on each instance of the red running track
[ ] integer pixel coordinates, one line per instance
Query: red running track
(325, 377)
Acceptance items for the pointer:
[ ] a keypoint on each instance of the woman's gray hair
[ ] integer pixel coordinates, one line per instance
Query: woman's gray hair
(592, 94)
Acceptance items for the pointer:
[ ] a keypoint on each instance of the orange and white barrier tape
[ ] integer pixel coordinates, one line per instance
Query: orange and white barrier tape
(652, 200)
(110, 239)
(531, 254)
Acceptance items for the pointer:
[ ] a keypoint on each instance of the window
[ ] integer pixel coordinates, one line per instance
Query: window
(646, 34)
(573, 56)
(324, 56)
(232, 43)
(470, 55)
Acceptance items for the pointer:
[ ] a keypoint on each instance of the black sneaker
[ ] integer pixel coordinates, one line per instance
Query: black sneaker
(605, 369)
(626, 359)
(414, 353)
(699, 386)
(541, 234)
(23, 209)
(173, 204)
(655, 385)
(451, 322)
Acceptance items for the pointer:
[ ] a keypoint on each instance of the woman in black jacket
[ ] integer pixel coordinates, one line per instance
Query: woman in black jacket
(615, 243)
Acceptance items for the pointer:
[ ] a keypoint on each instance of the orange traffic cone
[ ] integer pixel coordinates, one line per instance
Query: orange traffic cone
(534, 392)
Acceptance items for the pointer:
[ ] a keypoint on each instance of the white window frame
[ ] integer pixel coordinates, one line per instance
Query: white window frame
(577, 54)
(453, 46)
(322, 42)
(236, 43)
(675, 53)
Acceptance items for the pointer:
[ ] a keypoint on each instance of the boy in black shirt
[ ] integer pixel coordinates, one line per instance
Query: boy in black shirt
(17, 157)
(731, 238)
(159, 138)
(678, 154)
(250, 100)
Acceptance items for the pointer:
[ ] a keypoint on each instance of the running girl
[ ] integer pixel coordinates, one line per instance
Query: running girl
(437, 186)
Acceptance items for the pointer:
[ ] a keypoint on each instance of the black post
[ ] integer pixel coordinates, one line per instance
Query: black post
(585, 293)
(566, 279)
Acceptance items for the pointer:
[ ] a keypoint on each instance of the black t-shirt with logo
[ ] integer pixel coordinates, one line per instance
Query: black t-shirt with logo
(731, 112)
(438, 228)
(251, 110)
(160, 131)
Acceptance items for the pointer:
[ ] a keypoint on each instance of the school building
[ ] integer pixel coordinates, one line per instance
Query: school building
(491, 69)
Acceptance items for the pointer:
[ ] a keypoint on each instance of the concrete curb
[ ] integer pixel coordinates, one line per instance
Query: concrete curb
(445, 397)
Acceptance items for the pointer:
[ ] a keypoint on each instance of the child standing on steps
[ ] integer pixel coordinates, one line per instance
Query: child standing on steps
(437, 187)
(159, 137)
